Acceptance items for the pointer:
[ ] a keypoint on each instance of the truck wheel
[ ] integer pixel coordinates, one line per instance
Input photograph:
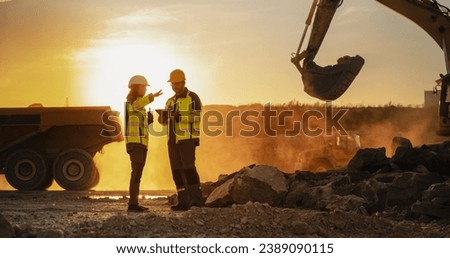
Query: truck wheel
(95, 180)
(74, 169)
(321, 165)
(27, 170)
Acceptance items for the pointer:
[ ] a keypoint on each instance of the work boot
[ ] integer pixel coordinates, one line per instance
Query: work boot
(183, 201)
(196, 196)
(136, 208)
(145, 208)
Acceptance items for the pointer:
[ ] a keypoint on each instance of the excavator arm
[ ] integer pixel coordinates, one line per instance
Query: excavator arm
(434, 18)
(430, 16)
(330, 82)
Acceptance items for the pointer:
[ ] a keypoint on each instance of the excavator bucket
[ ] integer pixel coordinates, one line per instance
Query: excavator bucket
(330, 82)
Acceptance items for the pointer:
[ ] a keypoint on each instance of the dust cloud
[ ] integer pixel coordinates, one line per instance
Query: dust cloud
(230, 150)
(114, 166)
(225, 154)
(377, 126)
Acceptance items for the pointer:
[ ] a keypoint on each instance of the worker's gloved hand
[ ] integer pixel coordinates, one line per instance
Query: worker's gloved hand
(150, 117)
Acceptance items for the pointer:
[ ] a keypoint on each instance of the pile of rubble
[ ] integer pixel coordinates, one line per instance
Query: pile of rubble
(374, 196)
(415, 180)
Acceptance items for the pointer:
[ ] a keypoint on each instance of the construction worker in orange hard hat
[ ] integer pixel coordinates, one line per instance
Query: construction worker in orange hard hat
(136, 134)
(182, 118)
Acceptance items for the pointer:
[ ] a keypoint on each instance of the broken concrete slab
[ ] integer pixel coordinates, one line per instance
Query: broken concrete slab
(370, 160)
(408, 187)
(435, 202)
(400, 142)
(374, 194)
(263, 184)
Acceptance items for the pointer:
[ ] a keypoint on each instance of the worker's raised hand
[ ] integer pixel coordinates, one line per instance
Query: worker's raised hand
(157, 94)
(152, 96)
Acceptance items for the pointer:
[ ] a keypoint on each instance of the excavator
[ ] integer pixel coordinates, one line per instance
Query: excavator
(330, 82)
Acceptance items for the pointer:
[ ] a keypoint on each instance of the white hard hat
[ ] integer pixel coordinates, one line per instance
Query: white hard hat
(138, 79)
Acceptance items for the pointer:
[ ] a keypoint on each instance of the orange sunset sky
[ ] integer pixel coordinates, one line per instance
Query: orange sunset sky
(83, 52)
(77, 53)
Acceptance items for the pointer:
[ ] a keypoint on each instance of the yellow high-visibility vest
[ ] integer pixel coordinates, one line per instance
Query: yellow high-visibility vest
(188, 126)
(136, 123)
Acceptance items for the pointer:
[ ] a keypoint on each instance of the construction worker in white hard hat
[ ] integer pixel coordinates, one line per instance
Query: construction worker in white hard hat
(182, 118)
(136, 134)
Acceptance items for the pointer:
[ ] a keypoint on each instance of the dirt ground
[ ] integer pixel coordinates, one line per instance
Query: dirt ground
(103, 214)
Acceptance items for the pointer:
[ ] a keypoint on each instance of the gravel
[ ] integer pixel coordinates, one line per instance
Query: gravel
(103, 214)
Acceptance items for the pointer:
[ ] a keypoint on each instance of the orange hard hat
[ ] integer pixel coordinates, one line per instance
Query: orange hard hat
(177, 75)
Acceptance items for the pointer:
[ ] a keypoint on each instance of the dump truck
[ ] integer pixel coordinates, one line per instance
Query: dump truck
(41, 144)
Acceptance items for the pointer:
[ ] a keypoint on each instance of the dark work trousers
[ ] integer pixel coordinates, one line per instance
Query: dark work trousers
(138, 156)
(182, 163)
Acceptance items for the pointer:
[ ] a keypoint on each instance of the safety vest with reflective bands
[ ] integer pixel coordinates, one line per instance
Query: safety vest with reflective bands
(187, 127)
(136, 123)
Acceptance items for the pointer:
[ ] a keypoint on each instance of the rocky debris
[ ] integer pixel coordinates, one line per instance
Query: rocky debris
(409, 158)
(407, 187)
(373, 192)
(326, 191)
(50, 233)
(372, 183)
(86, 217)
(336, 191)
(382, 199)
(6, 229)
(251, 219)
(370, 160)
(400, 142)
(349, 191)
(435, 202)
(263, 184)
(435, 158)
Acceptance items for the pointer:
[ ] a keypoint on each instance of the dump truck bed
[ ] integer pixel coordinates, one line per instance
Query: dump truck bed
(17, 125)
(47, 117)
(41, 138)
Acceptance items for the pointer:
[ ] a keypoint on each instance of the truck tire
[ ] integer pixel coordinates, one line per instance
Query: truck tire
(27, 170)
(74, 170)
(95, 180)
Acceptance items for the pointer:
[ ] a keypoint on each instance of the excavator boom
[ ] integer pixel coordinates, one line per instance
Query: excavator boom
(434, 19)
(430, 16)
(330, 82)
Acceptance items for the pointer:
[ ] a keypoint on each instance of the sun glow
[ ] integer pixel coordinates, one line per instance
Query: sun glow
(107, 69)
